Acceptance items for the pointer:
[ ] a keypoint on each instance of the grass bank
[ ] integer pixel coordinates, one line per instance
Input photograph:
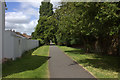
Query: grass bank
(101, 66)
(33, 64)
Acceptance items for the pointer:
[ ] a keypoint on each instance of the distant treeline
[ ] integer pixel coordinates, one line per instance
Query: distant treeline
(93, 26)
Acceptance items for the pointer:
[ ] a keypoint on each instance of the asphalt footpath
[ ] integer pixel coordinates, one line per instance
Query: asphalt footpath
(62, 66)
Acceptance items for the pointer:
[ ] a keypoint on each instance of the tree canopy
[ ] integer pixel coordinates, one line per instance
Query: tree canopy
(44, 30)
(91, 25)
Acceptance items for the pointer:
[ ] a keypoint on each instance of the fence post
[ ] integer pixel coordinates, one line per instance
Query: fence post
(2, 25)
(2, 28)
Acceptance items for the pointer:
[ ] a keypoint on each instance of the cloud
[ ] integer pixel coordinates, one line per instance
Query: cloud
(16, 17)
(31, 12)
(55, 3)
(25, 18)
(31, 0)
(30, 4)
(23, 28)
(20, 22)
(29, 9)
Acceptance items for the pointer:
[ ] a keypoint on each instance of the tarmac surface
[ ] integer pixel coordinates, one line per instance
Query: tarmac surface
(62, 66)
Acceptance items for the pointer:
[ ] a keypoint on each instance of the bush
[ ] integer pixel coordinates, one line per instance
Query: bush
(41, 42)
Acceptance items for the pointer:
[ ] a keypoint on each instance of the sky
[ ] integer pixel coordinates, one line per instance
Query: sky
(23, 16)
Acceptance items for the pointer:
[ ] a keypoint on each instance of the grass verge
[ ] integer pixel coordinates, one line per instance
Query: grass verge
(33, 64)
(101, 66)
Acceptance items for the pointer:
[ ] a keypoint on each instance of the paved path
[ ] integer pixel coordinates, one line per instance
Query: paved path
(61, 66)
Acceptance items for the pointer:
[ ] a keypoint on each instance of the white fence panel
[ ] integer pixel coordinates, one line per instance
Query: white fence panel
(14, 46)
(8, 45)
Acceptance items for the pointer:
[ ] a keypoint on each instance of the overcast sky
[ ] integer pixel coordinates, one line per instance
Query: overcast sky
(23, 16)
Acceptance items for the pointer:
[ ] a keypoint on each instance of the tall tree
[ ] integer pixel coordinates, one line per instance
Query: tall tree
(46, 10)
(118, 12)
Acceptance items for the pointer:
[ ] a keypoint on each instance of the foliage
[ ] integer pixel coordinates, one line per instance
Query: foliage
(46, 9)
(44, 26)
(92, 25)
(41, 42)
(86, 23)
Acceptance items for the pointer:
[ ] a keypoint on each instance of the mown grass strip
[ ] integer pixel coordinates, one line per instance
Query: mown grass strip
(33, 64)
(101, 66)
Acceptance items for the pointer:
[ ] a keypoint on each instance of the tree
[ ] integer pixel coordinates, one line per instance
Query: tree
(86, 23)
(93, 26)
(46, 10)
(118, 12)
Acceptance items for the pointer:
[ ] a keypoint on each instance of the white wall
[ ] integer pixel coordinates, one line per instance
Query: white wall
(14, 46)
(0, 31)
(8, 45)
(2, 26)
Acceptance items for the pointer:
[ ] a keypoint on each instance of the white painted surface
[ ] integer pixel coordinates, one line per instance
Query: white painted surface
(2, 27)
(8, 45)
(14, 46)
(0, 32)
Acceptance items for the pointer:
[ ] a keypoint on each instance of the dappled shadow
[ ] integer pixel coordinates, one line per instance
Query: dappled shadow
(76, 51)
(27, 62)
(107, 63)
(74, 63)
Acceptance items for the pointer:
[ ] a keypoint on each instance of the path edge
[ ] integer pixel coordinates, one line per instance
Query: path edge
(78, 64)
(48, 64)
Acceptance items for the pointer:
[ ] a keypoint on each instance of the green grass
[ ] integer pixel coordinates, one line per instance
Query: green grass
(101, 66)
(33, 64)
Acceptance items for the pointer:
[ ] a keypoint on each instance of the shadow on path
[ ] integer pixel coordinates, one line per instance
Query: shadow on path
(61, 66)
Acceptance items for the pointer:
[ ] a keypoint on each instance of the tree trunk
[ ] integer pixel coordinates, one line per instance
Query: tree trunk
(55, 39)
(119, 42)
